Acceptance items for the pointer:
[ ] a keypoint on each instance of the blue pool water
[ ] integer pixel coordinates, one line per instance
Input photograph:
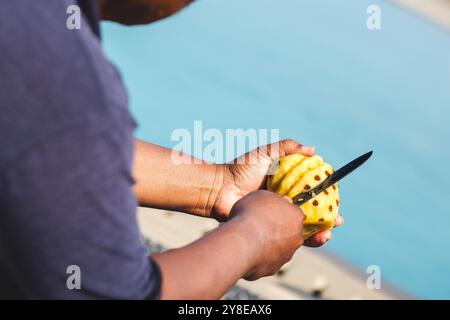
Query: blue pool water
(313, 70)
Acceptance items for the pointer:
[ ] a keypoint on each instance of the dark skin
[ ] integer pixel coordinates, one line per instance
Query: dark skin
(132, 12)
(260, 231)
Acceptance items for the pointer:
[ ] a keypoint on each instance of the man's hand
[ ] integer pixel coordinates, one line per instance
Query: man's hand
(262, 235)
(275, 226)
(249, 173)
(208, 190)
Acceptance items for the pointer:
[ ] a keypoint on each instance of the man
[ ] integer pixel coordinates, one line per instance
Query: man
(71, 175)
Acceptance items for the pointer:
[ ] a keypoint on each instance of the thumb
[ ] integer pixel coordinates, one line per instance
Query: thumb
(288, 199)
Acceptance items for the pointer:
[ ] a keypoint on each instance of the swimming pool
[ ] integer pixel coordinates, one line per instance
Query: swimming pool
(314, 70)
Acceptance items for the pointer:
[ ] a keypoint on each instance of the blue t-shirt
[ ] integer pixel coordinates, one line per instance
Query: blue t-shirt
(66, 152)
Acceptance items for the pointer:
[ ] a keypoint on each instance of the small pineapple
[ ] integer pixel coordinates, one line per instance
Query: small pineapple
(295, 174)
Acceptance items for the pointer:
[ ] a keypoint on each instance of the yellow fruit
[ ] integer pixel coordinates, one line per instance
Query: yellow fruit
(295, 174)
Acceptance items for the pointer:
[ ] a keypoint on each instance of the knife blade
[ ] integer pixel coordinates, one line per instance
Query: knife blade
(332, 179)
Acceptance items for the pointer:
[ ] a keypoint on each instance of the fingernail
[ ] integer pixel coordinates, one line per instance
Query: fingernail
(308, 149)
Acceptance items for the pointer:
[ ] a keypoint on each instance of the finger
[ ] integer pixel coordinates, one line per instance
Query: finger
(280, 149)
(318, 239)
(288, 199)
(339, 221)
(291, 146)
(307, 150)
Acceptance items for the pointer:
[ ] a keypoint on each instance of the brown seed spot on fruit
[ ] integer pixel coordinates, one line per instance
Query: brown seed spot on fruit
(326, 192)
(334, 187)
(327, 173)
(317, 177)
(330, 208)
(307, 187)
(315, 203)
(337, 202)
(321, 220)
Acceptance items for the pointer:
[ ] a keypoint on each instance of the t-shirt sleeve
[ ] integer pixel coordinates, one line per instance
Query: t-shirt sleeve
(69, 227)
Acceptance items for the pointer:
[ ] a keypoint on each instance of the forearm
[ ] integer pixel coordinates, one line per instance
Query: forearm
(209, 267)
(163, 184)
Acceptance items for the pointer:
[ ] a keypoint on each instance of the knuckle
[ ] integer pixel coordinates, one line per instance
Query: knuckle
(291, 143)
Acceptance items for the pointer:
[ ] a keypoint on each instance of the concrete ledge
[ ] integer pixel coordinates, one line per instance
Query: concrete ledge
(313, 273)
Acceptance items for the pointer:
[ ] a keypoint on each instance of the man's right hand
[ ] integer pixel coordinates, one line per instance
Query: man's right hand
(275, 228)
(263, 233)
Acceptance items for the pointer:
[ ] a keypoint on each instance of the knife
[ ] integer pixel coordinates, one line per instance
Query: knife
(335, 177)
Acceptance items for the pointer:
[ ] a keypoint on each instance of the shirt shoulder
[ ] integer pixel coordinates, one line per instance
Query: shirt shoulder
(53, 77)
